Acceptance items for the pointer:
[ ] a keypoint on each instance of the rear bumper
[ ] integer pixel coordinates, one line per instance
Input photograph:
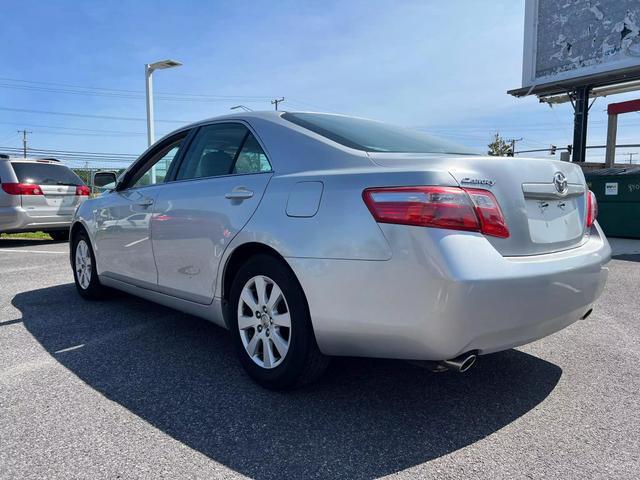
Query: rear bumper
(444, 293)
(17, 219)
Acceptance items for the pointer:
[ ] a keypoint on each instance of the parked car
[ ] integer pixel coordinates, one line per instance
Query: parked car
(311, 235)
(38, 195)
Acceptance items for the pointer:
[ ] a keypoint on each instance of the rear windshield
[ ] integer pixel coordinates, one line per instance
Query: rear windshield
(45, 174)
(372, 136)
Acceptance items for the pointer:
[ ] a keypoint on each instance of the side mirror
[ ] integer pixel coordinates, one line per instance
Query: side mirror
(105, 180)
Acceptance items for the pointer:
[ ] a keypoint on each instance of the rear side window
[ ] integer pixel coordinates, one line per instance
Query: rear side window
(223, 149)
(212, 151)
(372, 136)
(251, 158)
(45, 174)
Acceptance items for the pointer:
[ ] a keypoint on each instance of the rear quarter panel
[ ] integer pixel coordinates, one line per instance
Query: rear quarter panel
(342, 229)
(7, 176)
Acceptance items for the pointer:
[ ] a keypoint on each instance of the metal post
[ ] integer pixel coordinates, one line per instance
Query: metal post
(276, 101)
(24, 141)
(148, 72)
(612, 131)
(580, 122)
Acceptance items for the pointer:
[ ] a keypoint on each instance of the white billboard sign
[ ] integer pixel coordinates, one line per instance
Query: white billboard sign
(575, 42)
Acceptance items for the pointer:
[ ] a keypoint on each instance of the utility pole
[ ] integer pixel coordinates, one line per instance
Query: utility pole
(88, 176)
(631, 154)
(513, 145)
(580, 102)
(276, 101)
(24, 141)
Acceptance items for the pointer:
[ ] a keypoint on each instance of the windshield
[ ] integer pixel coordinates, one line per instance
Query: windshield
(372, 136)
(45, 174)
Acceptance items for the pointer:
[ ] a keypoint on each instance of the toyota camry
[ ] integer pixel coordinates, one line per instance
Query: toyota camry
(312, 235)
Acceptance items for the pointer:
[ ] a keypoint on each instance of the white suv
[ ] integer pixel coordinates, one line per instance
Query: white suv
(38, 195)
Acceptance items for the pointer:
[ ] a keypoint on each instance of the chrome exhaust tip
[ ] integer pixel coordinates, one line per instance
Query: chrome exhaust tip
(461, 363)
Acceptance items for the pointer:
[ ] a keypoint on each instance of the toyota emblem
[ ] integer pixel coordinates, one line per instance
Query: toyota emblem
(560, 182)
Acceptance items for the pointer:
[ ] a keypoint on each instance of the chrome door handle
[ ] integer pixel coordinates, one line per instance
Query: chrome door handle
(146, 202)
(239, 193)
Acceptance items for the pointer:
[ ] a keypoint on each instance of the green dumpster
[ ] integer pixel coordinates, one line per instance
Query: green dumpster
(618, 193)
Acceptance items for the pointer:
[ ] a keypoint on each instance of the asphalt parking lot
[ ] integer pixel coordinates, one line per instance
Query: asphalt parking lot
(123, 388)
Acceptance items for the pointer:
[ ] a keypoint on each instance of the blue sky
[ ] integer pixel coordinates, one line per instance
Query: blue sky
(435, 65)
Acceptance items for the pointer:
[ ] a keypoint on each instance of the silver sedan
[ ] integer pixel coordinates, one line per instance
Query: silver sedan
(311, 235)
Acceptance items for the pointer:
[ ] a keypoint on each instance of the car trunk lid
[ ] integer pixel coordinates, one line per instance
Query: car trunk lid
(543, 201)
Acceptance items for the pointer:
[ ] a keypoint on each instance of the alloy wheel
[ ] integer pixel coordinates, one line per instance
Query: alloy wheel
(264, 322)
(83, 264)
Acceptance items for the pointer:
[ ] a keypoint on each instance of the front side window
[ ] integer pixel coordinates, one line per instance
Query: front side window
(372, 136)
(156, 171)
(155, 168)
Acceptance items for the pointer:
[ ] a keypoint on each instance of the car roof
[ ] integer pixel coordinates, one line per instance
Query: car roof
(270, 115)
(51, 161)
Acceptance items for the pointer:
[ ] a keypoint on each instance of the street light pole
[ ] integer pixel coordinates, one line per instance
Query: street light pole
(148, 74)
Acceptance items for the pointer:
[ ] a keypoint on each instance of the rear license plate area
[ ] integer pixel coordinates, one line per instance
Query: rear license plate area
(552, 221)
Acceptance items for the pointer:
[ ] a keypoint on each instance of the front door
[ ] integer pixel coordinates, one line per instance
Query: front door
(123, 222)
(218, 186)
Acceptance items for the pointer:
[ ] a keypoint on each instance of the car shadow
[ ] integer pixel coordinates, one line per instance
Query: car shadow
(363, 419)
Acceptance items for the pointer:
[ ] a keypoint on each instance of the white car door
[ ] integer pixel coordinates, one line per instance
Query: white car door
(217, 187)
(123, 220)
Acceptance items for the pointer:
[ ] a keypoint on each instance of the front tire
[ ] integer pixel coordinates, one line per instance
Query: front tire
(85, 274)
(271, 325)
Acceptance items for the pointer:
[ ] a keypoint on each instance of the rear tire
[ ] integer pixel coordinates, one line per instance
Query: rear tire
(269, 317)
(59, 235)
(85, 274)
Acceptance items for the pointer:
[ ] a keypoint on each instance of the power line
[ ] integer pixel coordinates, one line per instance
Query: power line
(195, 98)
(86, 115)
(57, 127)
(128, 93)
(82, 90)
(74, 152)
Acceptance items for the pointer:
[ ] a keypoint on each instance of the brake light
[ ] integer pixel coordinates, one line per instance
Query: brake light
(441, 207)
(21, 189)
(491, 219)
(592, 208)
(83, 190)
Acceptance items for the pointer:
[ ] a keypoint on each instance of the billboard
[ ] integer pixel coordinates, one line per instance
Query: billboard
(569, 43)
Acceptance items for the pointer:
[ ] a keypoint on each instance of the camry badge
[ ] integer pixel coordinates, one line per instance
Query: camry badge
(478, 181)
(560, 182)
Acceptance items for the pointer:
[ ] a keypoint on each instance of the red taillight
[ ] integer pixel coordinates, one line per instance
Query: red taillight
(491, 218)
(441, 207)
(592, 208)
(82, 190)
(21, 189)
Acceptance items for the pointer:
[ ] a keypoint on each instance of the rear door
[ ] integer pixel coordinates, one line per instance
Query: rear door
(123, 220)
(58, 185)
(218, 186)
